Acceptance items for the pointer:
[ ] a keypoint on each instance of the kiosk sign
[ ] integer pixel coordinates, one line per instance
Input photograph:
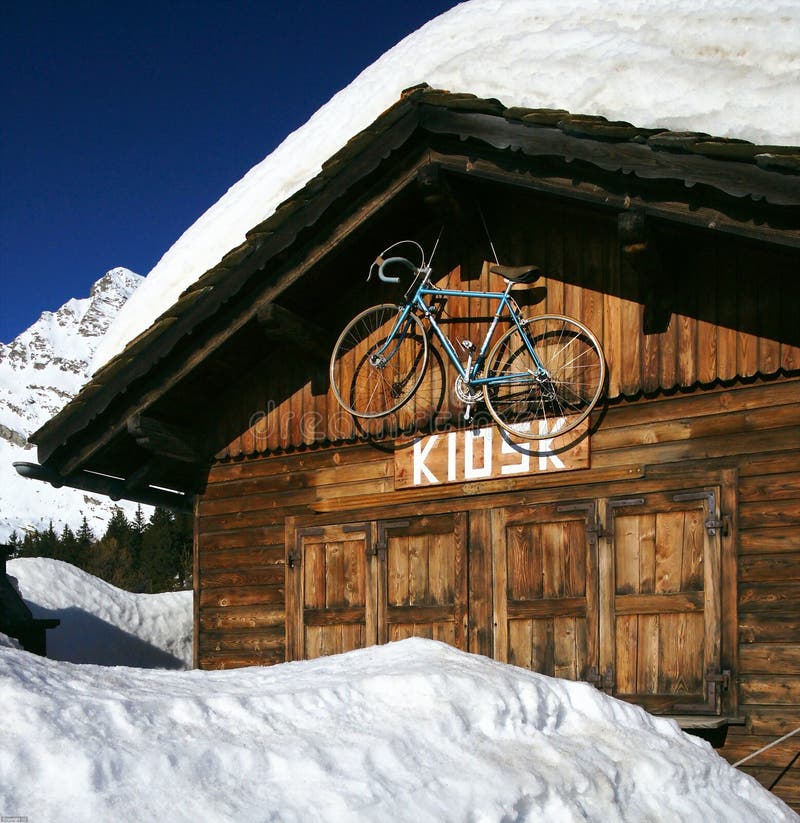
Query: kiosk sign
(489, 453)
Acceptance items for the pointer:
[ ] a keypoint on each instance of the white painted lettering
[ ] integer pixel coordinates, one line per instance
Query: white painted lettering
(452, 444)
(420, 455)
(470, 471)
(523, 452)
(546, 445)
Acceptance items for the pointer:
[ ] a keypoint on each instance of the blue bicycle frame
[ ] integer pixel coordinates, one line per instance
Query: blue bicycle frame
(469, 374)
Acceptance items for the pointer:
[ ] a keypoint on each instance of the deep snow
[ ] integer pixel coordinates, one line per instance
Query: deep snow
(411, 731)
(726, 67)
(101, 623)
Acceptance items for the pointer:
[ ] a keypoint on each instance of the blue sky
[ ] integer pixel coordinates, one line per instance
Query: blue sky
(121, 123)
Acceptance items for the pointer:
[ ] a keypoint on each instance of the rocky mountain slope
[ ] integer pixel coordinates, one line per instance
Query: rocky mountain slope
(39, 372)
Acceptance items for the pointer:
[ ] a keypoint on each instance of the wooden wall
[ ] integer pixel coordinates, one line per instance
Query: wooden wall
(710, 398)
(751, 433)
(733, 312)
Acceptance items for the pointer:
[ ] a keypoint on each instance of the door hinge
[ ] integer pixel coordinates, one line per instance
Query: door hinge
(618, 504)
(712, 523)
(717, 682)
(594, 528)
(384, 526)
(602, 682)
(294, 559)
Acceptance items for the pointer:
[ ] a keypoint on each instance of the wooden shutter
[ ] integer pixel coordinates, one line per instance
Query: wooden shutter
(423, 578)
(663, 604)
(334, 600)
(545, 588)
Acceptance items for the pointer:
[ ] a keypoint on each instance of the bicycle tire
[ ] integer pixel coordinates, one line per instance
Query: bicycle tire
(370, 390)
(572, 387)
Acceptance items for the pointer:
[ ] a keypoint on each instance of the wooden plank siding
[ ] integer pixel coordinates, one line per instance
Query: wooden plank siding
(721, 327)
(679, 357)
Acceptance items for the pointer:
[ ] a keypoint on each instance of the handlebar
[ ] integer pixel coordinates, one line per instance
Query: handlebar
(384, 263)
(389, 262)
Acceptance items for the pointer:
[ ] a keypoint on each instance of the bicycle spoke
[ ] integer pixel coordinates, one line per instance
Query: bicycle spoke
(376, 367)
(553, 372)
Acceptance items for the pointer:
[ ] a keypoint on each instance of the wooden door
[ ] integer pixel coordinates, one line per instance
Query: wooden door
(423, 578)
(545, 588)
(661, 600)
(333, 590)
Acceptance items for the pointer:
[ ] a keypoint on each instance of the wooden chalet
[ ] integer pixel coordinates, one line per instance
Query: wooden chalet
(655, 554)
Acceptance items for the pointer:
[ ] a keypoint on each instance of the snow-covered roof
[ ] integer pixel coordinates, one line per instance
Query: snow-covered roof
(726, 67)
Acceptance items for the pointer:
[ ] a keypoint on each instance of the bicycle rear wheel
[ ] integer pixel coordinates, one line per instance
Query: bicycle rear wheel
(372, 375)
(531, 402)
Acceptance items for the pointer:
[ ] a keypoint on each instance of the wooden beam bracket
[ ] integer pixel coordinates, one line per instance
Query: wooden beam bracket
(279, 323)
(114, 487)
(640, 249)
(165, 440)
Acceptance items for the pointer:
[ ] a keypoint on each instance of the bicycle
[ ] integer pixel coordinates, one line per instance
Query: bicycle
(544, 374)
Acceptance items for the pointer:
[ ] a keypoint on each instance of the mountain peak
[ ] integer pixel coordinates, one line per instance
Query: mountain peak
(118, 280)
(40, 371)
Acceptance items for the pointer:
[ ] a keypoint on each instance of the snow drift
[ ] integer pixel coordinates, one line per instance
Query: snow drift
(101, 623)
(727, 67)
(412, 731)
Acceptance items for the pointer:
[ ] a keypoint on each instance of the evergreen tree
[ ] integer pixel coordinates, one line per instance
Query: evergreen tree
(149, 556)
(50, 542)
(111, 555)
(68, 549)
(14, 545)
(85, 536)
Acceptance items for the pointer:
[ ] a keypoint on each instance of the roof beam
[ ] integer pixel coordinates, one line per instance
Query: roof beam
(112, 487)
(591, 192)
(279, 323)
(164, 439)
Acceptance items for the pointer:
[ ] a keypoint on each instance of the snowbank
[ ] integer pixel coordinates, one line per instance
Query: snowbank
(101, 623)
(727, 67)
(412, 731)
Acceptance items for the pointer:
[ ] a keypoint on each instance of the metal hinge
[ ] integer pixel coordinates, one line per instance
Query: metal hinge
(594, 528)
(717, 682)
(723, 677)
(384, 526)
(712, 523)
(602, 682)
(294, 559)
(618, 504)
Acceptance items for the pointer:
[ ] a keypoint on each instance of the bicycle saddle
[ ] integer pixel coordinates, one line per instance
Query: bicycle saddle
(517, 274)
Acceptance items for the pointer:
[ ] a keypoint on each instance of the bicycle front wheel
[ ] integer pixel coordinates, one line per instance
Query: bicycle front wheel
(548, 377)
(378, 361)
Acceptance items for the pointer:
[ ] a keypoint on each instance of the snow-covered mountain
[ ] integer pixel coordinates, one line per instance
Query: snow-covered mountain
(40, 371)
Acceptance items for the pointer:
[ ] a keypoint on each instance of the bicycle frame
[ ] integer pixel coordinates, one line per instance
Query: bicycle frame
(469, 374)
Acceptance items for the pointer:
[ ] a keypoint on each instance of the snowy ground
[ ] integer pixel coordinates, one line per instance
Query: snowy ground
(411, 731)
(101, 623)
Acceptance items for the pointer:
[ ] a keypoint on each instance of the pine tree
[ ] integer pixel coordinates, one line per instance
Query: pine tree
(157, 566)
(138, 555)
(68, 549)
(85, 536)
(14, 545)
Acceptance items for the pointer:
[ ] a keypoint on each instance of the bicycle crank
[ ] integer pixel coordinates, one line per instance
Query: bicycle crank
(466, 394)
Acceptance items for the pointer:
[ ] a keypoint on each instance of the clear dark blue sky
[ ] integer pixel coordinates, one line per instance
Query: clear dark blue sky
(120, 123)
